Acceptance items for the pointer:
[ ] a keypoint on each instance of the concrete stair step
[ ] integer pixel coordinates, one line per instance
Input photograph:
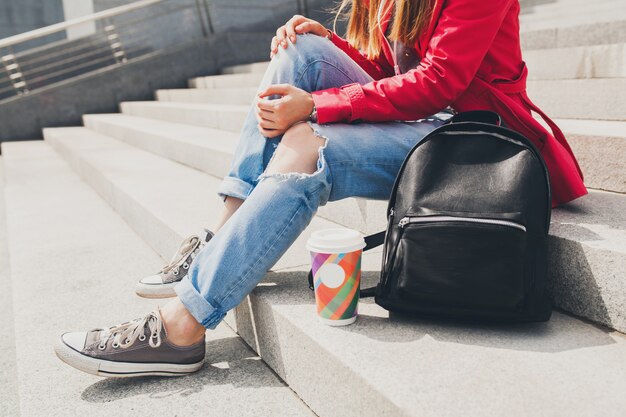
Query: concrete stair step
(570, 13)
(598, 61)
(203, 95)
(595, 99)
(9, 396)
(220, 116)
(81, 281)
(595, 61)
(394, 365)
(585, 278)
(600, 146)
(206, 149)
(227, 81)
(601, 33)
(254, 67)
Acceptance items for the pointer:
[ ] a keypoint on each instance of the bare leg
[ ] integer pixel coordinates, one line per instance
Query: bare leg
(298, 151)
(230, 207)
(181, 327)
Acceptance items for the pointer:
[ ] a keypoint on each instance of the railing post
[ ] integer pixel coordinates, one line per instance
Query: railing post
(205, 31)
(303, 7)
(115, 43)
(208, 16)
(12, 67)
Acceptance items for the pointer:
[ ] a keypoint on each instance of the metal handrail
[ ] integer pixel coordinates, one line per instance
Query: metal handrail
(35, 59)
(57, 27)
(117, 35)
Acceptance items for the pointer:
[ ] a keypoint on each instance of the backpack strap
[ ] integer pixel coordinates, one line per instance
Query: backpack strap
(480, 116)
(371, 242)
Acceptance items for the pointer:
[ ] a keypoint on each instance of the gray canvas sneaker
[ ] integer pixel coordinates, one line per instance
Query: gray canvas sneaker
(161, 285)
(136, 348)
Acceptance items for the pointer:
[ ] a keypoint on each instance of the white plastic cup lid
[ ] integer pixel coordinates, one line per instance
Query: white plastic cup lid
(340, 240)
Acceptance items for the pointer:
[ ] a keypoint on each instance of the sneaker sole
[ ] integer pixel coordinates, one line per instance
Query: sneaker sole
(155, 291)
(110, 369)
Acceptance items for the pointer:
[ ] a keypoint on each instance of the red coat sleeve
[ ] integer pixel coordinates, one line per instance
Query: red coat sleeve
(463, 34)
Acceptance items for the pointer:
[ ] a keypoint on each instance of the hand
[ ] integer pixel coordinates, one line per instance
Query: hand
(296, 25)
(278, 115)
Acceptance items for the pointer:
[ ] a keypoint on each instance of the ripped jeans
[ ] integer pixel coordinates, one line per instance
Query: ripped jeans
(357, 160)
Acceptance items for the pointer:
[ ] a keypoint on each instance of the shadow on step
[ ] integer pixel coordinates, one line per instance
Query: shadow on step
(585, 252)
(288, 292)
(229, 362)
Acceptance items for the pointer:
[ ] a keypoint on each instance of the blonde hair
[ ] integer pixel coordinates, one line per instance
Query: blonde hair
(410, 21)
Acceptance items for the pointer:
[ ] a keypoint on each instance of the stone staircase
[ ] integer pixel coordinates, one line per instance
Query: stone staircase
(92, 208)
(548, 14)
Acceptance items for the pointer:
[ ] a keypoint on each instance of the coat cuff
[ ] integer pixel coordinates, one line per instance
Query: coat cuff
(339, 104)
(336, 39)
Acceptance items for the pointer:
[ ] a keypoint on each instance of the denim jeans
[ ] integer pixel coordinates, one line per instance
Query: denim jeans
(356, 160)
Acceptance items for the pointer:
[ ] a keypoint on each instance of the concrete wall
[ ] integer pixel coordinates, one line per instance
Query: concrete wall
(256, 15)
(550, 14)
(64, 103)
(100, 5)
(17, 16)
(78, 8)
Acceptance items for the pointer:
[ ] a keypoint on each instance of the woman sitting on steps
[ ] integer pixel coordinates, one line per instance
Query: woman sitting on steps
(365, 102)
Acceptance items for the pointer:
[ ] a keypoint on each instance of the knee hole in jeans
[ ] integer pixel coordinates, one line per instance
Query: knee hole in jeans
(298, 152)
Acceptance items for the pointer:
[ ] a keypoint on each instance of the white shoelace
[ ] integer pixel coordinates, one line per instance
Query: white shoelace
(125, 334)
(185, 249)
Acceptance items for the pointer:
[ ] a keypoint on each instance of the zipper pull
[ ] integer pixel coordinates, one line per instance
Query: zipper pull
(391, 212)
(403, 222)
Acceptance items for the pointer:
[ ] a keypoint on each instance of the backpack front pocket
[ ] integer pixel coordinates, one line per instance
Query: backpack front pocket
(461, 262)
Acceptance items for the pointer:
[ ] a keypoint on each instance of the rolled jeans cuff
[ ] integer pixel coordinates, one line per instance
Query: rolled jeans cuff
(198, 307)
(234, 187)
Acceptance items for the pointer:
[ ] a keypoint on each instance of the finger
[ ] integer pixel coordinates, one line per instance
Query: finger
(304, 27)
(265, 105)
(281, 34)
(266, 124)
(280, 89)
(269, 133)
(258, 117)
(273, 47)
(291, 25)
(290, 32)
(266, 114)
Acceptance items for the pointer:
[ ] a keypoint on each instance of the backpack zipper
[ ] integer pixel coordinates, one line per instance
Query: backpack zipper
(434, 219)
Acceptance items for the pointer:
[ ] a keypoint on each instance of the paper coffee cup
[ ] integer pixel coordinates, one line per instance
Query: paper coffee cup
(336, 265)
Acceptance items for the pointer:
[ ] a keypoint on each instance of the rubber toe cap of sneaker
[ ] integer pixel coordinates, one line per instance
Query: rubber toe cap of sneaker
(75, 340)
(152, 280)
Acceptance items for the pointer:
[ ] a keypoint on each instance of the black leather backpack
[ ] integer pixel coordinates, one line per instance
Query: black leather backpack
(468, 222)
